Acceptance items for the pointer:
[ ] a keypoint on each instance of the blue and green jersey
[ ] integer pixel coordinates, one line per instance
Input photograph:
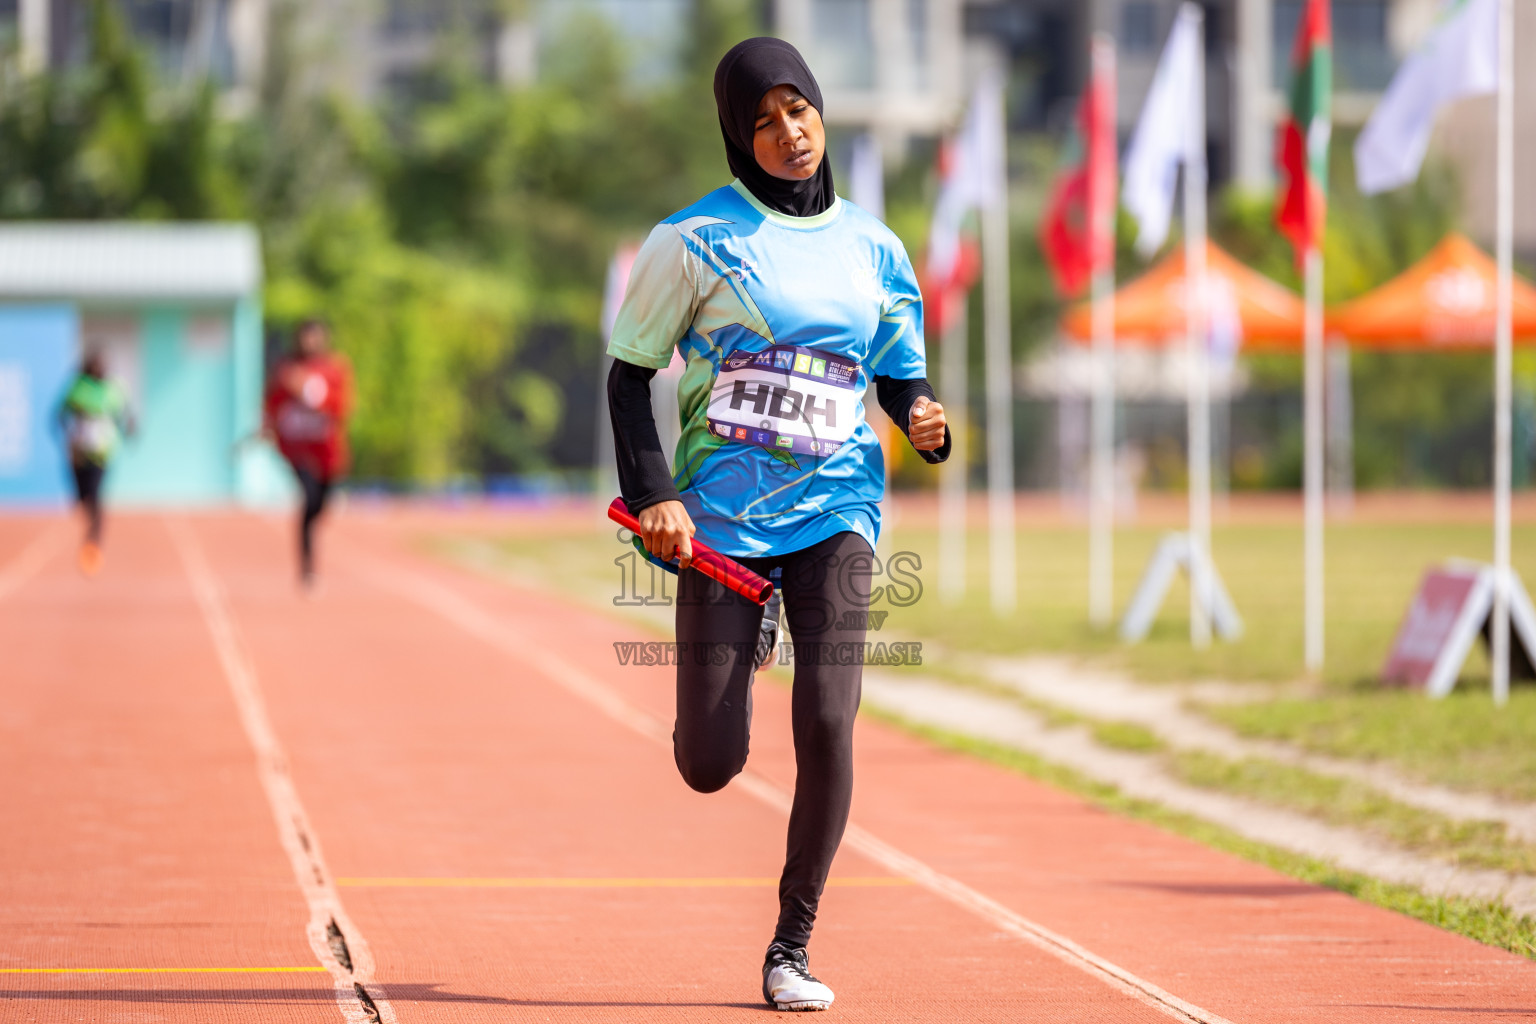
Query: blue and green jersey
(782, 322)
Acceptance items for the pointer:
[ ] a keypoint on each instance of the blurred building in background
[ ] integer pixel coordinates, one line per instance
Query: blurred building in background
(189, 40)
(896, 68)
(175, 310)
(1247, 45)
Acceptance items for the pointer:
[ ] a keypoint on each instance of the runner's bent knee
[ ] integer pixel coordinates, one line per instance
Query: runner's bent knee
(707, 763)
(708, 772)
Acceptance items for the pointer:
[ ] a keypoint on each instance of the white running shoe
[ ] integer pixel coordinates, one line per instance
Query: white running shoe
(787, 980)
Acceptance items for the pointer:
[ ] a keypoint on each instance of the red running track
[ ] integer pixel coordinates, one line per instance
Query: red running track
(467, 782)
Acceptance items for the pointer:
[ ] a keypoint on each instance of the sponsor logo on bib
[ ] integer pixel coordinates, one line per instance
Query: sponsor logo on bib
(786, 398)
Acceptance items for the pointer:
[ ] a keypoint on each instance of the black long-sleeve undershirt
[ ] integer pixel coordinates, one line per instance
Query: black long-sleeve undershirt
(897, 397)
(645, 477)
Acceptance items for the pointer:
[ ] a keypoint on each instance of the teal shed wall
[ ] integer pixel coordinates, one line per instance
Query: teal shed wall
(197, 397)
(183, 451)
(176, 311)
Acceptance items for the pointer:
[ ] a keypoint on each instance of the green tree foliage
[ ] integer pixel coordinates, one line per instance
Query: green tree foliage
(538, 185)
(99, 141)
(415, 326)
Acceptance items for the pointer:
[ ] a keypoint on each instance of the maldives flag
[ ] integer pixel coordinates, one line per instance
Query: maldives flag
(1077, 233)
(1302, 148)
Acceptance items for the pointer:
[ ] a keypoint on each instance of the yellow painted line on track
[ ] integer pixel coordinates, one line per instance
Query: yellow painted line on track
(162, 970)
(883, 881)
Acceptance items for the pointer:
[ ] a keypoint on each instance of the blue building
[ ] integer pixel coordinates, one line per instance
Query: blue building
(175, 309)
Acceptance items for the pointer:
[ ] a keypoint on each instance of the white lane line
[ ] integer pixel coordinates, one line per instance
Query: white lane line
(31, 559)
(297, 835)
(474, 620)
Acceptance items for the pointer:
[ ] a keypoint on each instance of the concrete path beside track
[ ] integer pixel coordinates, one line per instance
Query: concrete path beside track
(482, 799)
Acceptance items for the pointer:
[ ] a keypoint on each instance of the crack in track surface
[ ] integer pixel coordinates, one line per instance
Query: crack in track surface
(472, 619)
(336, 942)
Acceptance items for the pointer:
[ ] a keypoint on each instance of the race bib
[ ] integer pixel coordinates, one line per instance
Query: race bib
(92, 435)
(786, 398)
(298, 422)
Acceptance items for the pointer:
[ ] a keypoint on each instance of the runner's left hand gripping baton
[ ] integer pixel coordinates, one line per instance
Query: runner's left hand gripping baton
(707, 560)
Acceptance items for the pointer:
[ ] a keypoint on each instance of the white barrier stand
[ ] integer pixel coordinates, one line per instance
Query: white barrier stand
(1174, 553)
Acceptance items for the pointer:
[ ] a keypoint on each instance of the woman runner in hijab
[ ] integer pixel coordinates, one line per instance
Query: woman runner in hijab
(786, 302)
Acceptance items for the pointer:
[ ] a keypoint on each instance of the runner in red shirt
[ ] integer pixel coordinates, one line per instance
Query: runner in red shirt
(308, 399)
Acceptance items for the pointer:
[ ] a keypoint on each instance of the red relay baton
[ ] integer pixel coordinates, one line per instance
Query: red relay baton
(707, 560)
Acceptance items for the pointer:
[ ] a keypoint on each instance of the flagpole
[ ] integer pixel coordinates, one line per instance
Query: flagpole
(1313, 429)
(1502, 351)
(1101, 506)
(952, 474)
(1199, 411)
(999, 362)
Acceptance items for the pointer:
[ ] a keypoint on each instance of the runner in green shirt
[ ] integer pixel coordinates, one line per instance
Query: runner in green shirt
(95, 416)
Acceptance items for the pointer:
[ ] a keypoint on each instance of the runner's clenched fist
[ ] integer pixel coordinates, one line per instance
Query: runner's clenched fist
(926, 425)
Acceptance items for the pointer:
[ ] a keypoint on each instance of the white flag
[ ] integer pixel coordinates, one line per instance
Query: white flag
(1161, 137)
(866, 175)
(1459, 58)
(1225, 320)
(974, 178)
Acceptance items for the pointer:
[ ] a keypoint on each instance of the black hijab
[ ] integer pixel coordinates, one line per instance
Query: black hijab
(747, 71)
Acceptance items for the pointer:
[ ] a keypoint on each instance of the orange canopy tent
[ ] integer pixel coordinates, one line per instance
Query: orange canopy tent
(1444, 301)
(1150, 309)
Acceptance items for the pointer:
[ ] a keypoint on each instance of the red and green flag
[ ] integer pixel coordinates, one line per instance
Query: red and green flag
(1077, 233)
(1302, 148)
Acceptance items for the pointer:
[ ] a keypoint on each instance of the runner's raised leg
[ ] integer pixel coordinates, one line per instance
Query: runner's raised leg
(717, 632)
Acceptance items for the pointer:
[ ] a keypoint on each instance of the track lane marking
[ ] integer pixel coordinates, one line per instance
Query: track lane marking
(272, 767)
(459, 610)
(879, 882)
(29, 560)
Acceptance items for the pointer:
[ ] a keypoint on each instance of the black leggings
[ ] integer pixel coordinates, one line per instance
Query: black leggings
(316, 490)
(88, 477)
(717, 635)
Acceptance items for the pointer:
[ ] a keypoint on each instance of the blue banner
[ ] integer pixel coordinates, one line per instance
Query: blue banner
(39, 349)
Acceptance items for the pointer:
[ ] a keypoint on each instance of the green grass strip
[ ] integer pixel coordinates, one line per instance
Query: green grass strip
(1486, 921)
(1464, 741)
(1481, 844)
(1127, 736)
